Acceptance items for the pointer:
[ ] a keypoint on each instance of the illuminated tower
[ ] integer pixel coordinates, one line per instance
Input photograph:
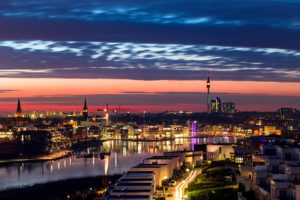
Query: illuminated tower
(19, 113)
(85, 113)
(106, 111)
(208, 94)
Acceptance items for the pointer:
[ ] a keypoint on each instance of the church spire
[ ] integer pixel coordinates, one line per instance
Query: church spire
(85, 105)
(19, 109)
(85, 113)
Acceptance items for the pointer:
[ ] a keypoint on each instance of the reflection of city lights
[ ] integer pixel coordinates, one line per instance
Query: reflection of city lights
(21, 168)
(169, 146)
(139, 148)
(124, 151)
(106, 163)
(150, 150)
(116, 160)
(51, 168)
(58, 165)
(65, 163)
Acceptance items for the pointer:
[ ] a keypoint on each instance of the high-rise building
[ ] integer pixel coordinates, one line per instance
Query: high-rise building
(85, 113)
(208, 95)
(216, 105)
(229, 107)
(19, 113)
(286, 113)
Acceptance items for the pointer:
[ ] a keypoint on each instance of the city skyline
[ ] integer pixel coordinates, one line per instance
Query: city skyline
(149, 56)
(140, 97)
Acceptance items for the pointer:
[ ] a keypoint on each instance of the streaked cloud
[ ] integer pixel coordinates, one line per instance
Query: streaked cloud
(214, 12)
(154, 43)
(92, 59)
(12, 72)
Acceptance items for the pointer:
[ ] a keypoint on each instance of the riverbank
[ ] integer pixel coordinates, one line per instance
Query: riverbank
(77, 188)
(52, 156)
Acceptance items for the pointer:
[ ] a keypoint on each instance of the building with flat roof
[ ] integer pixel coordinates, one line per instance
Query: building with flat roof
(124, 196)
(277, 174)
(171, 161)
(189, 158)
(133, 185)
(161, 171)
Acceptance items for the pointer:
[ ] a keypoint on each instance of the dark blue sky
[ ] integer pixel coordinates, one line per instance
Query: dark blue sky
(236, 40)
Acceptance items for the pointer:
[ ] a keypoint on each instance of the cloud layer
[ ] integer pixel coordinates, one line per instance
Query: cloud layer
(191, 12)
(259, 23)
(238, 40)
(160, 39)
(144, 61)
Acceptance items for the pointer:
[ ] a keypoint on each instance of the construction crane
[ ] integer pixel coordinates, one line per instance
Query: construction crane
(107, 110)
(106, 114)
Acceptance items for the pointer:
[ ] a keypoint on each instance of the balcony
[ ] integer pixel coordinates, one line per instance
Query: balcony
(279, 186)
(292, 169)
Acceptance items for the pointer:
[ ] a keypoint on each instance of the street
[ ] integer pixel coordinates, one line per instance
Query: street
(179, 191)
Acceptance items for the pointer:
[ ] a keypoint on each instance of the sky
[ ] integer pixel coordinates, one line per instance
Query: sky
(149, 55)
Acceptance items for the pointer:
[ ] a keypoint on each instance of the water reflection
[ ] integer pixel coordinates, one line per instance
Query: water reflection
(124, 154)
(106, 165)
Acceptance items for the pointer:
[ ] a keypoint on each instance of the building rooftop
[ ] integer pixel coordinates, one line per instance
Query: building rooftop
(132, 184)
(138, 172)
(132, 190)
(135, 179)
(162, 157)
(137, 176)
(129, 197)
(149, 165)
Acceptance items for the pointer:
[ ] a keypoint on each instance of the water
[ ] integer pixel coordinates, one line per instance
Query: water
(124, 155)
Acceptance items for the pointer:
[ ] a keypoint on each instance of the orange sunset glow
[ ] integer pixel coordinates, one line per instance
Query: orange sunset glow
(21, 87)
(63, 88)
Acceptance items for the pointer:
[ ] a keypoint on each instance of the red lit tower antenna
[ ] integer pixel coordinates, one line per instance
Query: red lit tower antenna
(208, 93)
